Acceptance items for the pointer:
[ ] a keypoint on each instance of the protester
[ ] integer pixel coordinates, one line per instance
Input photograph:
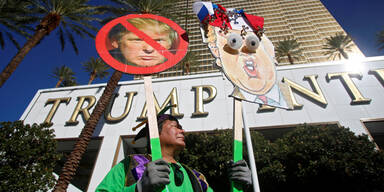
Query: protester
(137, 173)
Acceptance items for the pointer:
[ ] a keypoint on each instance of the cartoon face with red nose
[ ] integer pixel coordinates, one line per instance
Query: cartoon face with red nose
(245, 59)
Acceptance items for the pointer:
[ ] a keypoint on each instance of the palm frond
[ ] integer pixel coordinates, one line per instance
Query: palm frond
(64, 73)
(124, 7)
(96, 67)
(338, 46)
(380, 39)
(73, 42)
(13, 21)
(188, 62)
(2, 43)
(13, 40)
(62, 38)
(75, 17)
(68, 83)
(288, 48)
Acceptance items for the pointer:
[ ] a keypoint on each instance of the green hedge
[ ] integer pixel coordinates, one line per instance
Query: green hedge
(27, 157)
(309, 158)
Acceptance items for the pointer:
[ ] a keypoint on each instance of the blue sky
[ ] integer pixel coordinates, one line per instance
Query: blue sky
(362, 19)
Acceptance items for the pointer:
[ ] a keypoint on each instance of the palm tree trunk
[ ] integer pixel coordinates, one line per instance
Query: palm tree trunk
(50, 22)
(58, 83)
(187, 68)
(290, 59)
(344, 54)
(16, 60)
(82, 142)
(91, 78)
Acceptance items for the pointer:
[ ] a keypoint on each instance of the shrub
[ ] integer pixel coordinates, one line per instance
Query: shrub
(27, 157)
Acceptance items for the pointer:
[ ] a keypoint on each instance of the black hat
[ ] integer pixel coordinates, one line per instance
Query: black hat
(160, 120)
(161, 117)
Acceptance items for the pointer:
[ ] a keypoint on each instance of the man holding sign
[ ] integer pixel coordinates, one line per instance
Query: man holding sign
(137, 173)
(147, 44)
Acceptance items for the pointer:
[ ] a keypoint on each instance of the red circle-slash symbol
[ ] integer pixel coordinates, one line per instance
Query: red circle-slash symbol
(172, 58)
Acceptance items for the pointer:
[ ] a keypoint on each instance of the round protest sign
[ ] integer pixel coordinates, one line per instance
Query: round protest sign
(141, 44)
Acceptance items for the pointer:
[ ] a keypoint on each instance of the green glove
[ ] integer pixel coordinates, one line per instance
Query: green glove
(239, 172)
(155, 176)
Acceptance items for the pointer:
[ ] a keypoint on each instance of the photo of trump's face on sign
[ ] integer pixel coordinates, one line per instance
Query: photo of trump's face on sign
(244, 53)
(130, 49)
(141, 44)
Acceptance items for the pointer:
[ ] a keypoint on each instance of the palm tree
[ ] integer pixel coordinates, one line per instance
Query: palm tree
(68, 83)
(73, 161)
(63, 74)
(159, 7)
(288, 48)
(12, 20)
(68, 16)
(97, 68)
(188, 61)
(70, 166)
(337, 46)
(380, 39)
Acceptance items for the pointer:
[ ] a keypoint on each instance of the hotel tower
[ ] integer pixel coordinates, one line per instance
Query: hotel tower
(307, 21)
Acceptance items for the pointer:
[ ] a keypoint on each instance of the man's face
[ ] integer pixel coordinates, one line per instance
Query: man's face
(172, 135)
(138, 52)
(252, 71)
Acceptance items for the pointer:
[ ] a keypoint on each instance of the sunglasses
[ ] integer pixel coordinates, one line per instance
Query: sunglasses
(178, 174)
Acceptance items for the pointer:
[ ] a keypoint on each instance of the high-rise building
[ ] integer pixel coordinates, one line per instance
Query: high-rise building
(307, 21)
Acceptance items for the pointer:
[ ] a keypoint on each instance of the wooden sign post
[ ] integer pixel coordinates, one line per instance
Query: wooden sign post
(239, 121)
(152, 121)
(238, 138)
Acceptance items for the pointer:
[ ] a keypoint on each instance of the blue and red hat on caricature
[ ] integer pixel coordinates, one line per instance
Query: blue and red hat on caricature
(218, 16)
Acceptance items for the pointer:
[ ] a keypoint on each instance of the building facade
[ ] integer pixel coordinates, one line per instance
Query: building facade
(344, 93)
(309, 22)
